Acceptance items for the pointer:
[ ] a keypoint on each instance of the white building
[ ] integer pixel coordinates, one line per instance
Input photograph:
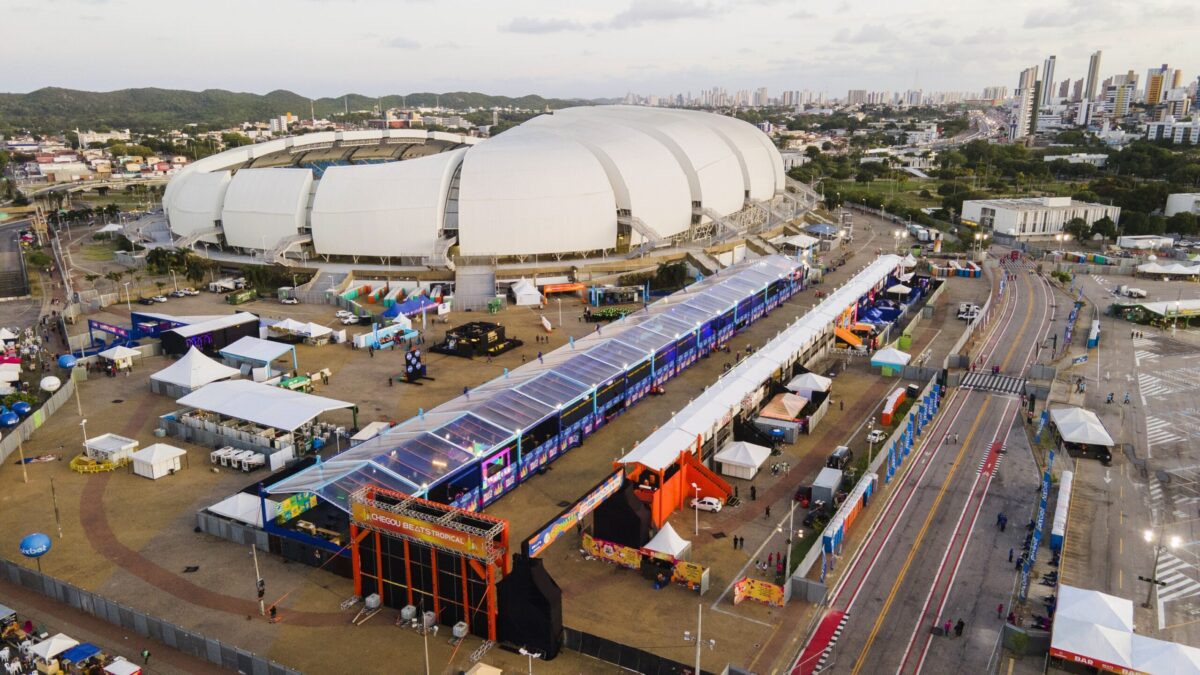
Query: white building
(1024, 114)
(1033, 217)
(1174, 131)
(1183, 202)
(1097, 160)
(925, 135)
(89, 136)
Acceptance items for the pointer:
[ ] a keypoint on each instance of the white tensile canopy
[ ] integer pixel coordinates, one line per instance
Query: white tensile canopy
(525, 293)
(1077, 425)
(122, 667)
(668, 542)
(899, 289)
(260, 403)
(194, 370)
(890, 356)
(1094, 607)
(312, 329)
(1159, 656)
(158, 460)
(244, 508)
(288, 325)
(743, 454)
(7, 335)
(809, 382)
(908, 261)
(53, 646)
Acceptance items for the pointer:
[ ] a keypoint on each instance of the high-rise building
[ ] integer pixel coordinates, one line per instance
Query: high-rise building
(1175, 103)
(1024, 114)
(1077, 91)
(1158, 81)
(1048, 81)
(1090, 91)
(1118, 96)
(856, 97)
(1064, 89)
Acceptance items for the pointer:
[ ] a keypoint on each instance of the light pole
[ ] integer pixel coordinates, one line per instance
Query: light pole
(696, 508)
(870, 443)
(687, 636)
(1174, 542)
(128, 306)
(83, 425)
(1175, 323)
(529, 655)
(560, 323)
(174, 281)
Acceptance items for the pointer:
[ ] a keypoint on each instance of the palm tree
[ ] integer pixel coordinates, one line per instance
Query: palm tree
(137, 282)
(160, 285)
(115, 278)
(91, 279)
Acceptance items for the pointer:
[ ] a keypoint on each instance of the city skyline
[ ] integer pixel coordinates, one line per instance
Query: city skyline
(657, 47)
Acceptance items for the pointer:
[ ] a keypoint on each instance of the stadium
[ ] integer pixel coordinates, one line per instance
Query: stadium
(580, 181)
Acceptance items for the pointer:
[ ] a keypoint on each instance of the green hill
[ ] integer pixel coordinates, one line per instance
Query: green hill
(53, 109)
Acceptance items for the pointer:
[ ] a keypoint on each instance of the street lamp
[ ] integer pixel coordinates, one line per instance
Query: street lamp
(870, 443)
(128, 306)
(531, 656)
(687, 635)
(83, 425)
(1175, 324)
(696, 508)
(1174, 542)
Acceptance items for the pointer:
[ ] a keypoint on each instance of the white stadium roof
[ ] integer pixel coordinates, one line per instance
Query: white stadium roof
(552, 185)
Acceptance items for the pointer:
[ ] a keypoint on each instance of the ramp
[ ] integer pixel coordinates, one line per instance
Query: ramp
(711, 485)
(847, 337)
(816, 652)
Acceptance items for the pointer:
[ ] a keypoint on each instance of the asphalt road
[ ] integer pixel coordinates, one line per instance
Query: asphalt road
(22, 312)
(935, 553)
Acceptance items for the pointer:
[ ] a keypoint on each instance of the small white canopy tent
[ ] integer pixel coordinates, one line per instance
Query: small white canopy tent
(158, 460)
(809, 382)
(525, 294)
(7, 335)
(190, 373)
(742, 460)
(53, 646)
(908, 261)
(899, 289)
(668, 542)
(120, 355)
(244, 508)
(10, 372)
(1077, 425)
(110, 448)
(122, 667)
(890, 356)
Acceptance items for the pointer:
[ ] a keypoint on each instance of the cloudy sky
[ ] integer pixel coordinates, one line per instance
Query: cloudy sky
(577, 48)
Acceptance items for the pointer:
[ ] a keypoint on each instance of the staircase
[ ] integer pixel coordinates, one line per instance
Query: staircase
(278, 255)
(474, 286)
(722, 222)
(650, 237)
(759, 245)
(441, 254)
(704, 262)
(189, 240)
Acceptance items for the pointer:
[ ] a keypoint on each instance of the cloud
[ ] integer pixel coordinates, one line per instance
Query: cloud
(402, 43)
(1073, 14)
(868, 33)
(638, 14)
(802, 14)
(535, 26)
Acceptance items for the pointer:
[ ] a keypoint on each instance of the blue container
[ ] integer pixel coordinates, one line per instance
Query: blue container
(66, 361)
(22, 408)
(9, 419)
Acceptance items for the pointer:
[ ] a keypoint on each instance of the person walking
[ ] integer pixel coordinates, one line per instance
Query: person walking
(145, 657)
(946, 628)
(958, 628)
(1126, 398)
(1010, 555)
(753, 493)
(1000, 611)
(767, 513)
(956, 439)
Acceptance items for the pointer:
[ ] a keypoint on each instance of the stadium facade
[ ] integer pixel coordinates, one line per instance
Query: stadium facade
(576, 181)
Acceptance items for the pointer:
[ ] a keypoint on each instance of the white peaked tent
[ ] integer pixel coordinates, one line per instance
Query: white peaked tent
(890, 356)
(1083, 639)
(668, 542)
(809, 382)
(288, 326)
(899, 289)
(189, 373)
(314, 330)
(525, 294)
(742, 460)
(1094, 607)
(908, 261)
(7, 335)
(158, 460)
(121, 355)
(53, 646)
(1077, 425)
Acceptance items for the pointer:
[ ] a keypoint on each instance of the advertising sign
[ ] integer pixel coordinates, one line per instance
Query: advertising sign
(689, 574)
(759, 591)
(295, 505)
(568, 519)
(613, 553)
(419, 530)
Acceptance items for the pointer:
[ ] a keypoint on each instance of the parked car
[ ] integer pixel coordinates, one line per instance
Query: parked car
(145, 301)
(189, 291)
(707, 504)
(840, 458)
(343, 314)
(177, 294)
(159, 298)
(803, 495)
(876, 436)
(289, 301)
(349, 320)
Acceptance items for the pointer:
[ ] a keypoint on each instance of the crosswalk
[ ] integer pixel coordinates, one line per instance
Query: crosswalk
(1152, 386)
(1002, 384)
(1179, 576)
(1159, 431)
(1143, 349)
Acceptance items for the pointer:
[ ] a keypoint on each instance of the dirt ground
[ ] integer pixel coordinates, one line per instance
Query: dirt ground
(131, 538)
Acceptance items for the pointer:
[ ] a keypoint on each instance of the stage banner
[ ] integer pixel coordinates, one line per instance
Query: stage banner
(613, 553)
(569, 518)
(419, 530)
(759, 591)
(294, 506)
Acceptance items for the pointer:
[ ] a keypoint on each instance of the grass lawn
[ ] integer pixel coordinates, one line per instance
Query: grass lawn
(99, 251)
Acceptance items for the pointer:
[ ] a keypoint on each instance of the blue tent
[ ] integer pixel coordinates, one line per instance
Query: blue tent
(821, 229)
(78, 653)
(410, 307)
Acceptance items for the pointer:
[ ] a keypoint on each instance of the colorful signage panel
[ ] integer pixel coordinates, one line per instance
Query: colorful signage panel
(570, 518)
(759, 591)
(613, 553)
(419, 530)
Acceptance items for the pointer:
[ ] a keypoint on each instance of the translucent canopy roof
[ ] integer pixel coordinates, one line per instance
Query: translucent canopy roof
(415, 455)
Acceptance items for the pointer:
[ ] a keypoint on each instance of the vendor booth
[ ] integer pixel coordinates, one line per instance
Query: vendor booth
(47, 651)
(122, 667)
(290, 330)
(1081, 433)
(110, 448)
(809, 382)
(742, 460)
(525, 294)
(158, 460)
(210, 335)
(252, 353)
(189, 373)
(667, 544)
(119, 357)
(890, 359)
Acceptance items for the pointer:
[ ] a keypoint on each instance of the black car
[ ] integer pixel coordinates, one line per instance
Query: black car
(817, 510)
(145, 301)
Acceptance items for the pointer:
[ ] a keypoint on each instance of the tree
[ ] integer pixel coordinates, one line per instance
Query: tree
(160, 285)
(91, 279)
(1078, 228)
(1105, 227)
(115, 278)
(812, 152)
(1183, 223)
